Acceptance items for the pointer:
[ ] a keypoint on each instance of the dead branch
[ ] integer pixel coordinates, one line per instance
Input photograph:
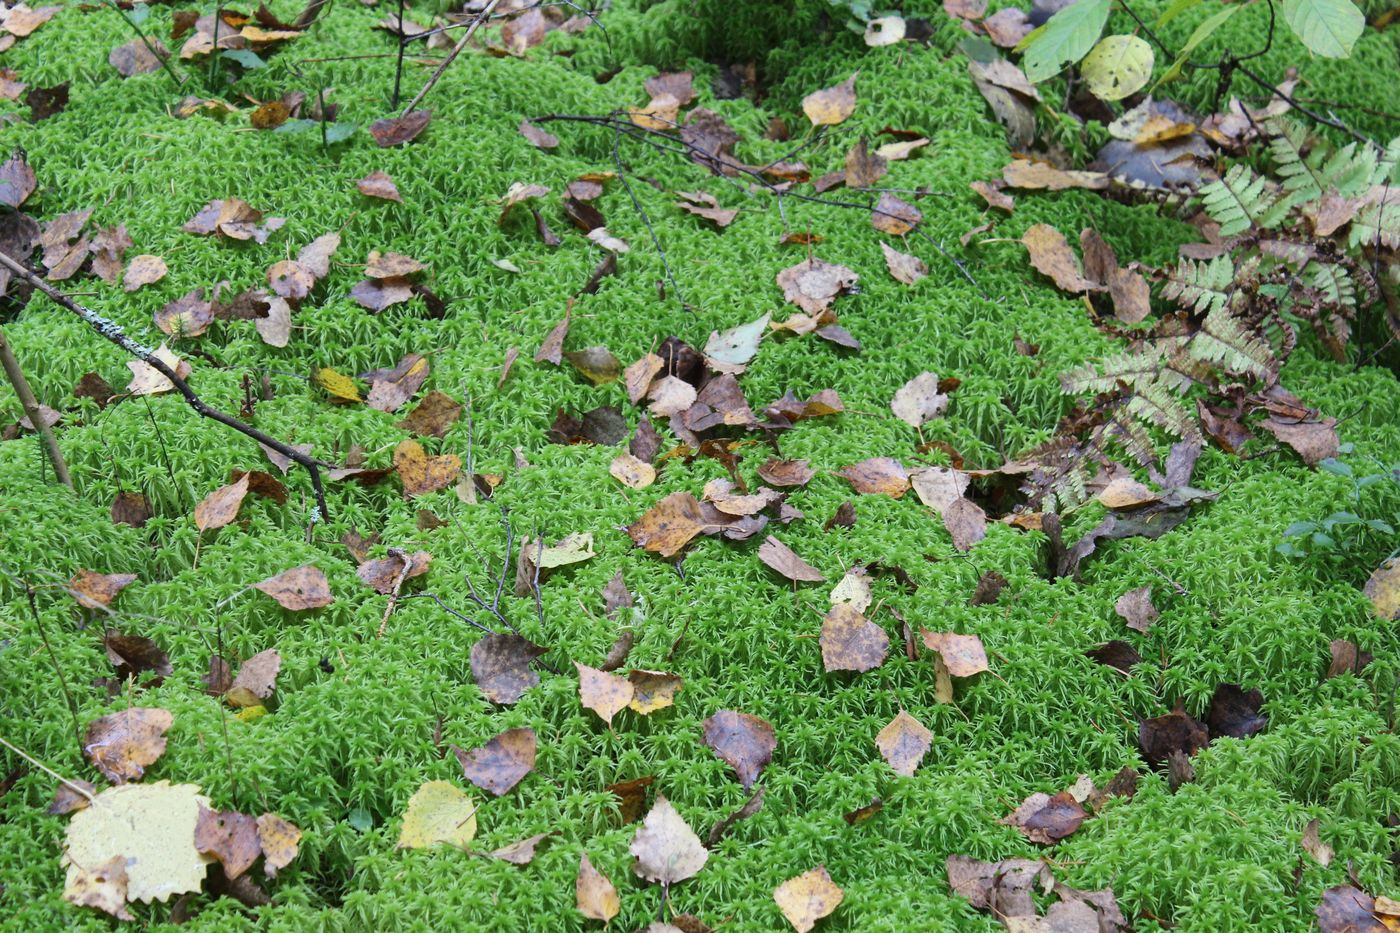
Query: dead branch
(31, 410)
(481, 17)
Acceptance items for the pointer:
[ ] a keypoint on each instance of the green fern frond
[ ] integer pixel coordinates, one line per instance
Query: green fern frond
(1130, 435)
(1379, 220)
(1334, 282)
(1201, 286)
(1243, 200)
(1387, 164)
(1224, 342)
(1134, 367)
(1158, 405)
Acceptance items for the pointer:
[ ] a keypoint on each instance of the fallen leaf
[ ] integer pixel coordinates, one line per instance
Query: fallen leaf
(1126, 493)
(1135, 607)
(1313, 845)
(807, 898)
(903, 743)
(422, 474)
(67, 799)
(97, 590)
(742, 741)
(652, 690)
(632, 472)
(919, 401)
(668, 526)
(377, 184)
(782, 559)
(135, 654)
(939, 487)
(124, 744)
(1347, 658)
(228, 836)
(966, 523)
(552, 350)
(390, 389)
(501, 763)
(1001, 887)
(1235, 712)
(851, 642)
(786, 472)
(732, 350)
(257, 677)
(832, 105)
(378, 294)
(1383, 589)
(631, 796)
(433, 416)
(812, 284)
(606, 694)
(396, 131)
(1347, 909)
(594, 894)
(861, 814)
(1045, 819)
(438, 812)
(963, 654)
(994, 196)
(903, 267)
(522, 852)
(500, 666)
(1118, 655)
(1051, 255)
(130, 508)
(280, 841)
(298, 589)
(221, 506)
(142, 271)
(666, 848)
(1176, 731)
(878, 475)
(340, 387)
(596, 364)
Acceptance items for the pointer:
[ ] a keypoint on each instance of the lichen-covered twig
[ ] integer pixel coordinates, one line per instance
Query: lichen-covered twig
(116, 335)
(31, 410)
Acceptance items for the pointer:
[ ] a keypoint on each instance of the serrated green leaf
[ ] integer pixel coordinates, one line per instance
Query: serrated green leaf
(1198, 35)
(1118, 66)
(1066, 38)
(339, 132)
(1327, 27)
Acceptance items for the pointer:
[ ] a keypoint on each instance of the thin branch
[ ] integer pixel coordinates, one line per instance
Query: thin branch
(117, 336)
(31, 410)
(451, 56)
(57, 668)
(75, 788)
(147, 43)
(642, 213)
(450, 611)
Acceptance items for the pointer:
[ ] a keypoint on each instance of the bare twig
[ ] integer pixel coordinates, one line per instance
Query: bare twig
(406, 563)
(451, 56)
(147, 43)
(646, 220)
(117, 336)
(31, 410)
(57, 668)
(75, 788)
(450, 611)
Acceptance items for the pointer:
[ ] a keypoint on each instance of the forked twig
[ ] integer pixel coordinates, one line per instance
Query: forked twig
(451, 56)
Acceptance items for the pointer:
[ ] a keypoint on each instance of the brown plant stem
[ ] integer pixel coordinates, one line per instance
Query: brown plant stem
(481, 17)
(31, 410)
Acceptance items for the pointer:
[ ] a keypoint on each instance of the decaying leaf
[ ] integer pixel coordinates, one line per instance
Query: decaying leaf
(501, 763)
(228, 836)
(813, 285)
(1312, 844)
(147, 380)
(1045, 819)
(742, 741)
(257, 678)
(385, 574)
(1235, 712)
(903, 267)
(785, 561)
(135, 654)
(965, 521)
(1135, 607)
(396, 131)
(434, 415)
(422, 474)
(851, 642)
(378, 184)
(300, 588)
(832, 105)
(666, 848)
(652, 690)
(1051, 255)
(878, 475)
(438, 812)
(594, 893)
(963, 654)
(632, 472)
(522, 852)
(919, 400)
(391, 388)
(724, 824)
(500, 666)
(1177, 731)
(1383, 589)
(668, 526)
(97, 590)
(280, 840)
(606, 694)
(807, 898)
(903, 743)
(124, 744)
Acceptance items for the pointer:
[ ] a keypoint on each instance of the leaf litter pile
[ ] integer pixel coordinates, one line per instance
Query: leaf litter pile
(737, 514)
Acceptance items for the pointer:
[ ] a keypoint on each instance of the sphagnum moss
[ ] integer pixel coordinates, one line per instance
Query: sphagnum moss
(352, 730)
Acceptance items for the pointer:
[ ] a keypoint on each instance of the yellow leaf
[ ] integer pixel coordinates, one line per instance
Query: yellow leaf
(338, 385)
(438, 812)
(1117, 67)
(1383, 589)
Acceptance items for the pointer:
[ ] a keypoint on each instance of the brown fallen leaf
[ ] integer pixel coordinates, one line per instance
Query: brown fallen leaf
(1312, 844)
(864, 169)
(966, 522)
(807, 898)
(552, 350)
(383, 574)
(1345, 908)
(97, 590)
(422, 474)
(1313, 439)
(904, 267)
(130, 508)
(522, 852)
(785, 561)
(1176, 731)
(257, 678)
(280, 840)
(1135, 607)
(1023, 173)
(832, 105)
(606, 694)
(742, 741)
(596, 364)
(877, 476)
(786, 472)
(1235, 712)
(434, 415)
(221, 506)
(1007, 27)
(396, 131)
(377, 294)
(919, 401)
(666, 848)
(1045, 819)
(631, 797)
(594, 894)
(1347, 658)
(135, 654)
(1118, 655)
(991, 192)
(963, 654)
(813, 285)
(501, 763)
(851, 642)
(67, 799)
(652, 690)
(377, 184)
(124, 744)
(1052, 257)
(1126, 287)
(298, 589)
(903, 743)
(893, 216)
(668, 526)
(142, 271)
(861, 814)
(500, 666)
(632, 472)
(228, 836)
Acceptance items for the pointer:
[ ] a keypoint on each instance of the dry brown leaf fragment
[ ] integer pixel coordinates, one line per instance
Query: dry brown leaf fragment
(97, 590)
(1383, 589)
(653, 690)
(381, 265)
(743, 741)
(124, 744)
(230, 837)
(143, 270)
(812, 284)
(378, 184)
(500, 666)
(919, 400)
(596, 364)
(939, 487)
(280, 840)
(785, 561)
(102, 886)
(1313, 845)
(1046, 820)
(1135, 607)
(21, 20)
(378, 294)
(807, 898)
(631, 471)
(903, 267)
(668, 526)
(786, 472)
(671, 395)
(422, 474)
(893, 216)
(67, 799)
(221, 506)
(257, 678)
(594, 894)
(383, 574)
(963, 654)
(501, 763)
(639, 375)
(396, 131)
(299, 588)
(522, 852)
(832, 105)
(606, 694)
(966, 522)
(390, 389)
(851, 642)
(903, 743)
(1023, 173)
(877, 475)
(1051, 255)
(666, 848)
(433, 416)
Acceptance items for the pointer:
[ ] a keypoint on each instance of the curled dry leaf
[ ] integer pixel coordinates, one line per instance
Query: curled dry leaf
(228, 836)
(785, 561)
(963, 654)
(594, 893)
(903, 743)
(878, 475)
(851, 642)
(422, 474)
(1135, 607)
(939, 487)
(832, 105)
(813, 285)
(124, 744)
(377, 184)
(501, 763)
(256, 679)
(807, 898)
(147, 380)
(298, 589)
(666, 848)
(500, 666)
(606, 694)
(438, 812)
(1235, 712)
(390, 389)
(399, 130)
(1176, 732)
(97, 590)
(786, 472)
(905, 268)
(743, 741)
(1045, 819)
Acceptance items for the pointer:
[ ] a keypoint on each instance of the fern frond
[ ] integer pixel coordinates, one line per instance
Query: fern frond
(1243, 200)
(1387, 164)
(1158, 405)
(1287, 144)
(1334, 282)
(1224, 342)
(1132, 437)
(1379, 220)
(1134, 367)
(1201, 286)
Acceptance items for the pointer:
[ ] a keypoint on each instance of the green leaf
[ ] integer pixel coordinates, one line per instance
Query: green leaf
(1173, 10)
(1066, 38)
(339, 132)
(140, 12)
(1118, 66)
(1200, 34)
(295, 126)
(1327, 27)
(245, 58)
